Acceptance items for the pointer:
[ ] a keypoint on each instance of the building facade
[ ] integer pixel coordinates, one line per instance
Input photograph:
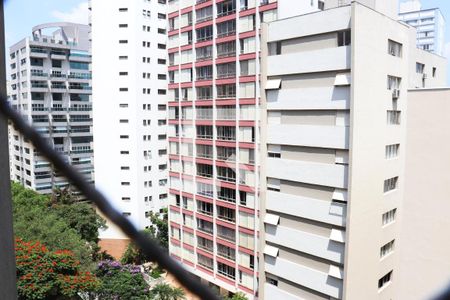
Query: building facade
(430, 25)
(51, 87)
(333, 152)
(214, 95)
(130, 116)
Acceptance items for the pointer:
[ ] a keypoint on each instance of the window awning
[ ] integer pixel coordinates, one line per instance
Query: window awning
(343, 79)
(336, 272)
(337, 236)
(272, 219)
(273, 84)
(271, 251)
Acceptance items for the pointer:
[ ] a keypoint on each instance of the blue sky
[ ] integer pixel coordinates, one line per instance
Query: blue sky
(22, 15)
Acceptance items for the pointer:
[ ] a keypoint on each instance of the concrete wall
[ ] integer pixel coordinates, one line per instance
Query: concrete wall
(425, 247)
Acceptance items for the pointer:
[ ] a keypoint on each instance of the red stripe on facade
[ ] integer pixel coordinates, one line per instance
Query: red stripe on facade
(223, 60)
(244, 79)
(185, 47)
(186, 10)
(247, 34)
(186, 84)
(247, 56)
(203, 24)
(203, 269)
(203, 217)
(247, 12)
(250, 291)
(226, 204)
(225, 224)
(203, 83)
(245, 250)
(246, 209)
(187, 229)
(204, 63)
(186, 66)
(225, 18)
(204, 4)
(174, 241)
(268, 7)
(203, 44)
(226, 279)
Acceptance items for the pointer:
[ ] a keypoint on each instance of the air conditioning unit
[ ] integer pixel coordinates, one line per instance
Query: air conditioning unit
(425, 76)
(395, 93)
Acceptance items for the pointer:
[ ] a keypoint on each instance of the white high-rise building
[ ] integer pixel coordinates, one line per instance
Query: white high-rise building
(51, 86)
(430, 25)
(130, 83)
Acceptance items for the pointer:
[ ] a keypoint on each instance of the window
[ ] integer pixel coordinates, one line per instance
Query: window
(394, 48)
(393, 117)
(123, 9)
(389, 217)
(274, 151)
(123, 25)
(226, 28)
(272, 281)
(434, 72)
(123, 41)
(204, 33)
(386, 279)
(344, 38)
(393, 83)
(123, 73)
(392, 151)
(204, 53)
(226, 49)
(226, 7)
(321, 5)
(419, 68)
(386, 249)
(390, 184)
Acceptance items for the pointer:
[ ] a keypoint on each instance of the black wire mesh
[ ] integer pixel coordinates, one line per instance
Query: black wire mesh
(150, 247)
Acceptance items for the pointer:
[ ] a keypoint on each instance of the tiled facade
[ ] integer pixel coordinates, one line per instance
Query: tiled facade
(213, 104)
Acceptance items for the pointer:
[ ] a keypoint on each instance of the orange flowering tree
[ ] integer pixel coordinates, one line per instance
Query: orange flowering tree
(45, 274)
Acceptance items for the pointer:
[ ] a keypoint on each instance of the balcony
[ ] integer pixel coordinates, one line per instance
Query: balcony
(327, 59)
(304, 276)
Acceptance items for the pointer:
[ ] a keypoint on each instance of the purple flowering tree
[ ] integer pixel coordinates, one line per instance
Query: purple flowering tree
(121, 281)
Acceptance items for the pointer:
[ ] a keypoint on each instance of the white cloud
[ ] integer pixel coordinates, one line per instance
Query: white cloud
(78, 14)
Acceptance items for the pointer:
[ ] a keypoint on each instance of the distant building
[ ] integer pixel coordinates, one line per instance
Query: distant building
(130, 124)
(430, 25)
(51, 86)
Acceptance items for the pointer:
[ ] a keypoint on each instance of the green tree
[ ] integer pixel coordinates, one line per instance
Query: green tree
(158, 231)
(121, 281)
(71, 226)
(237, 296)
(44, 274)
(164, 291)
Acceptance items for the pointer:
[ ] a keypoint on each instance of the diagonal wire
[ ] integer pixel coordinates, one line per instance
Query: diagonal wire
(150, 247)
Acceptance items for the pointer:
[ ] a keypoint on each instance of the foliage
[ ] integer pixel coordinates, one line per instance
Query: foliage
(45, 274)
(237, 296)
(57, 225)
(83, 218)
(121, 281)
(164, 291)
(133, 254)
(156, 272)
(158, 231)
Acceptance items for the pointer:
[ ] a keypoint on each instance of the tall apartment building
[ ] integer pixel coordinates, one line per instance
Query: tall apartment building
(51, 87)
(214, 107)
(430, 25)
(129, 62)
(334, 146)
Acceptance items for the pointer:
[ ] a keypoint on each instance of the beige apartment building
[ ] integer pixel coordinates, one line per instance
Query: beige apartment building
(346, 119)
